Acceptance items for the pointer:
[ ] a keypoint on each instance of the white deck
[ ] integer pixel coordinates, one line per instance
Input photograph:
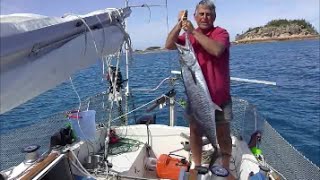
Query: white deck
(165, 139)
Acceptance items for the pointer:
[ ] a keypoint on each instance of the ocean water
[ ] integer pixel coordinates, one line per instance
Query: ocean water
(292, 107)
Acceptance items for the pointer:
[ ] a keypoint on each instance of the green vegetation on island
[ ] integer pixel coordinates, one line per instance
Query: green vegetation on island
(281, 29)
(151, 49)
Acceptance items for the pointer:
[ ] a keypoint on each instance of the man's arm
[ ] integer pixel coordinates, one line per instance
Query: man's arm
(213, 47)
(173, 37)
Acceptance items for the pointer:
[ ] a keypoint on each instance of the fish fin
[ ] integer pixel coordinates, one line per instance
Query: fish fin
(193, 75)
(188, 43)
(179, 47)
(216, 107)
(214, 155)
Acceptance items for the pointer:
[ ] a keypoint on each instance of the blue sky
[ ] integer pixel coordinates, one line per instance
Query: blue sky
(145, 30)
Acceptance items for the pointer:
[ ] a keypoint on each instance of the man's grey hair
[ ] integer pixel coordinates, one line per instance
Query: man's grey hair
(209, 4)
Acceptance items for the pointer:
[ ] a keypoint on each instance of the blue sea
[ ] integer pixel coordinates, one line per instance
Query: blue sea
(292, 107)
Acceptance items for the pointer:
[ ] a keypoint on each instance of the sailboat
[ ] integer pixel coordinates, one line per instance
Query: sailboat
(33, 46)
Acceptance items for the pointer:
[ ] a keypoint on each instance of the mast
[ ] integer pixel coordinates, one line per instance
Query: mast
(127, 54)
(127, 93)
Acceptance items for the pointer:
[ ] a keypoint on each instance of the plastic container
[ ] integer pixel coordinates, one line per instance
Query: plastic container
(84, 124)
(169, 167)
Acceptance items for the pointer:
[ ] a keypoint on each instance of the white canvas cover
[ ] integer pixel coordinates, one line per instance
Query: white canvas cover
(39, 52)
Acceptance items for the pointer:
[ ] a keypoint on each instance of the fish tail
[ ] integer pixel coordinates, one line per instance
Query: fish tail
(214, 156)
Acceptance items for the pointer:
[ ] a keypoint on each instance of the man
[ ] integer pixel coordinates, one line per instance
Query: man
(211, 45)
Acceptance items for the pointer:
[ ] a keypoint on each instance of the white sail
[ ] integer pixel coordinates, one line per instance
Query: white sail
(39, 52)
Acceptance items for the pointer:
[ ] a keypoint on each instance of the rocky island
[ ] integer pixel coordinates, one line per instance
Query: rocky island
(278, 30)
(150, 50)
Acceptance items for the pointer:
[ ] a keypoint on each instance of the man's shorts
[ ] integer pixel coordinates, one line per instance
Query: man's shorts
(224, 116)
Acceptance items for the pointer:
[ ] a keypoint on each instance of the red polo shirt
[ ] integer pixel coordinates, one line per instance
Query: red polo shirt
(215, 69)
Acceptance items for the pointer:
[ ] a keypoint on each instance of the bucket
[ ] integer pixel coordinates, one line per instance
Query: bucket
(84, 124)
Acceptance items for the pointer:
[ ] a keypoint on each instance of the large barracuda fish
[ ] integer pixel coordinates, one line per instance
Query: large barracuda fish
(199, 99)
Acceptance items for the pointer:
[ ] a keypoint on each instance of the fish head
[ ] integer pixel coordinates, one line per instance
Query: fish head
(187, 55)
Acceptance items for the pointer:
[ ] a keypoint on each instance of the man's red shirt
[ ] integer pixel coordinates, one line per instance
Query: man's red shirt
(215, 69)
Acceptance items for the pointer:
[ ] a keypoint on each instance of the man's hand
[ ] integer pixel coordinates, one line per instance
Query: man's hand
(187, 26)
(182, 16)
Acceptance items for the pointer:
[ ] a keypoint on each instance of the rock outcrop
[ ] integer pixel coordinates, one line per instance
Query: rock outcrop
(278, 30)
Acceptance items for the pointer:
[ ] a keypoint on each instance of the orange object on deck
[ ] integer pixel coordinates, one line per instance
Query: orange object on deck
(169, 167)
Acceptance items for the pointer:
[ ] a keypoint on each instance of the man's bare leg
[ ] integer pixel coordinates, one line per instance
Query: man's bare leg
(196, 147)
(196, 143)
(225, 143)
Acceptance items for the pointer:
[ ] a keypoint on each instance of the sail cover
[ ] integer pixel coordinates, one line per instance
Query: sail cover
(39, 52)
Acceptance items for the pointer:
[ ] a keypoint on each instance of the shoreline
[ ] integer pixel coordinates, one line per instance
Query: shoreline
(275, 39)
(151, 51)
(247, 41)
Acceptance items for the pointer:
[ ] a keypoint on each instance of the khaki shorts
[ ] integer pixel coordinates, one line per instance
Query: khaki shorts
(224, 116)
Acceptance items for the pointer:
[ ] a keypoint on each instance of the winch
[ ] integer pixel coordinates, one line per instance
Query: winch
(32, 154)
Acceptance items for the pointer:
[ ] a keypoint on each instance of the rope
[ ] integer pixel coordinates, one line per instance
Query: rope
(265, 164)
(124, 145)
(104, 35)
(80, 167)
(85, 23)
(111, 104)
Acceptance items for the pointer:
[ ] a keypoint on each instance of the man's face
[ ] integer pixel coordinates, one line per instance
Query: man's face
(204, 17)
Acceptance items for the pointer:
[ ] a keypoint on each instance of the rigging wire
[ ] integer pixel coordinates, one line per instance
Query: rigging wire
(167, 17)
(157, 87)
(127, 40)
(74, 89)
(78, 117)
(149, 9)
(144, 105)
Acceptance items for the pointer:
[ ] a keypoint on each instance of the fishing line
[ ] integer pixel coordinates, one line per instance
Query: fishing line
(74, 89)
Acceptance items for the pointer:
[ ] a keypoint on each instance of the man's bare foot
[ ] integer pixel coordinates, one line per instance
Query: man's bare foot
(226, 164)
(230, 177)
